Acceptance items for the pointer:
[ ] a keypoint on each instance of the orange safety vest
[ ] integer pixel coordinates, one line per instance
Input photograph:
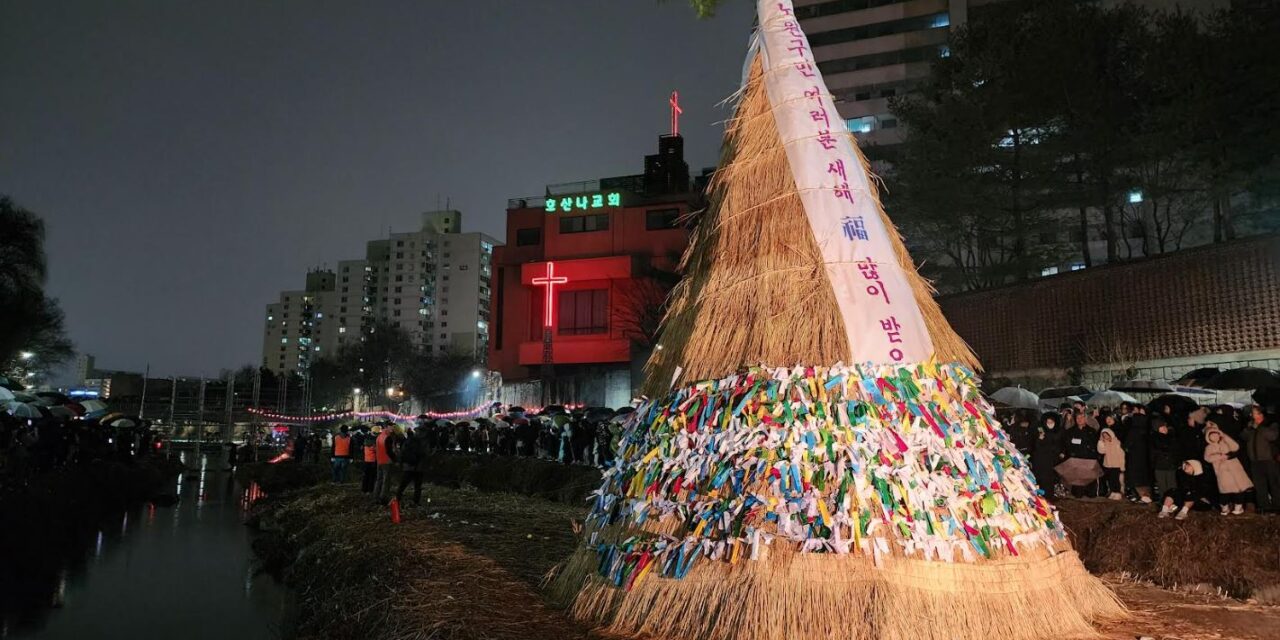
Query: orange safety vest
(384, 456)
(341, 446)
(368, 453)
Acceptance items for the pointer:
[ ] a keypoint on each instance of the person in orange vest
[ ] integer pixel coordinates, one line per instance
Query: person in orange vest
(341, 454)
(385, 451)
(368, 458)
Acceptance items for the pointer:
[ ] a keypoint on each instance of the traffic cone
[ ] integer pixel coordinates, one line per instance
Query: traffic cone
(395, 511)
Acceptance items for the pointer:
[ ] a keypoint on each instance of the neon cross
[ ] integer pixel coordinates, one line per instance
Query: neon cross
(674, 101)
(549, 281)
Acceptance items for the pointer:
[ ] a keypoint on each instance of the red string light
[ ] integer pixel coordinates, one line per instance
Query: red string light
(391, 415)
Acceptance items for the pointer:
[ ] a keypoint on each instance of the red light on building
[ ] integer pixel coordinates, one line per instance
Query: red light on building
(565, 284)
(549, 281)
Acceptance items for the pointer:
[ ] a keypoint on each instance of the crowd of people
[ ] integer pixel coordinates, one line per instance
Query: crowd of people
(1179, 457)
(31, 446)
(582, 436)
(1182, 458)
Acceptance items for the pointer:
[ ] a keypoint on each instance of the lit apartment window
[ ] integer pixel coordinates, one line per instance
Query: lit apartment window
(284, 341)
(342, 329)
(861, 125)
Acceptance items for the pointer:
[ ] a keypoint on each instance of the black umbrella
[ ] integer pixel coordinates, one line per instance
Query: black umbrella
(599, 413)
(52, 398)
(1141, 386)
(1179, 403)
(1064, 392)
(1268, 397)
(552, 409)
(11, 384)
(1244, 378)
(1197, 377)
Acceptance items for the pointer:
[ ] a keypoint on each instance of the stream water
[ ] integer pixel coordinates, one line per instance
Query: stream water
(181, 571)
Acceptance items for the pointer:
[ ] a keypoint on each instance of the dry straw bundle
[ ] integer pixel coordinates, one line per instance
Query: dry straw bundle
(754, 290)
(778, 493)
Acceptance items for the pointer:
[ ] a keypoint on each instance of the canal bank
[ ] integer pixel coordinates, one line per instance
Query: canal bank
(101, 556)
(468, 563)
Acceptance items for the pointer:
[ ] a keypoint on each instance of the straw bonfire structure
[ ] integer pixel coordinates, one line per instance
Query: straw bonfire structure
(817, 462)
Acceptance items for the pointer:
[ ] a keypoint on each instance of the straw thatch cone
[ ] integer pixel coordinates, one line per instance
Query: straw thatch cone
(754, 501)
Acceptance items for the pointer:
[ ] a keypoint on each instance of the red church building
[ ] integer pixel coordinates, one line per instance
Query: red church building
(580, 284)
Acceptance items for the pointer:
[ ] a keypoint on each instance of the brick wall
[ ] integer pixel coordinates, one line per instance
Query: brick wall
(1216, 299)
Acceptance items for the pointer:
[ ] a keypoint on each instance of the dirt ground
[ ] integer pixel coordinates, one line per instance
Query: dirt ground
(1163, 614)
(507, 543)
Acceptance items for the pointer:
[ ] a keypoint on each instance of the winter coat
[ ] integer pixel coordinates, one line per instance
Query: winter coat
(1164, 451)
(1137, 454)
(1022, 437)
(1110, 450)
(1260, 442)
(413, 453)
(1080, 442)
(1046, 452)
(1190, 442)
(1230, 473)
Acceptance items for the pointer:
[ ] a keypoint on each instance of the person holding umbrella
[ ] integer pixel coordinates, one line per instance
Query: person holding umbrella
(1137, 453)
(1046, 453)
(1260, 439)
(1164, 455)
(1081, 469)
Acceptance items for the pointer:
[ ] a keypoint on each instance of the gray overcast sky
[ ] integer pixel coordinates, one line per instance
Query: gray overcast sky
(192, 159)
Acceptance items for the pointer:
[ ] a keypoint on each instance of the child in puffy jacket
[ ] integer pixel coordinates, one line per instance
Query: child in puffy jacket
(1221, 451)
(1112, 455)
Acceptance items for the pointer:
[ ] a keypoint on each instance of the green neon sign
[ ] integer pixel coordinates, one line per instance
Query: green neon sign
(584, 202)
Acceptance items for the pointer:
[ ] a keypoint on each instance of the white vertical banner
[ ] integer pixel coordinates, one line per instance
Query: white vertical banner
(881, 319)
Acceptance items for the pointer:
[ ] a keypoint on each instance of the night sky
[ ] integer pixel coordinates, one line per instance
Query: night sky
(191, 160)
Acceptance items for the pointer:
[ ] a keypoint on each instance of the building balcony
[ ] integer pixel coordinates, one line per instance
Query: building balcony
(577, 350)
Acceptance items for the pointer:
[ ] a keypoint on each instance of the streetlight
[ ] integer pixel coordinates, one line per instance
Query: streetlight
(475, 373)
(355, 391)
(391, 391)
(27, 355)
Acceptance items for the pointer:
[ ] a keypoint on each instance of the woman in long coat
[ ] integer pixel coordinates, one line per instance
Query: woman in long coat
(1046, 452)
(1137, 455)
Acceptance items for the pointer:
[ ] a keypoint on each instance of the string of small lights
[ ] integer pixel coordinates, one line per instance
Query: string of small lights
(391, 415)
(386, 415)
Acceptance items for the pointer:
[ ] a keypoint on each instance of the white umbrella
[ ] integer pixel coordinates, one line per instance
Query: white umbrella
(91, 406)
(124, 423)
(1017, 397)
(1109, 399)
(6, 396)
(24, 410)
